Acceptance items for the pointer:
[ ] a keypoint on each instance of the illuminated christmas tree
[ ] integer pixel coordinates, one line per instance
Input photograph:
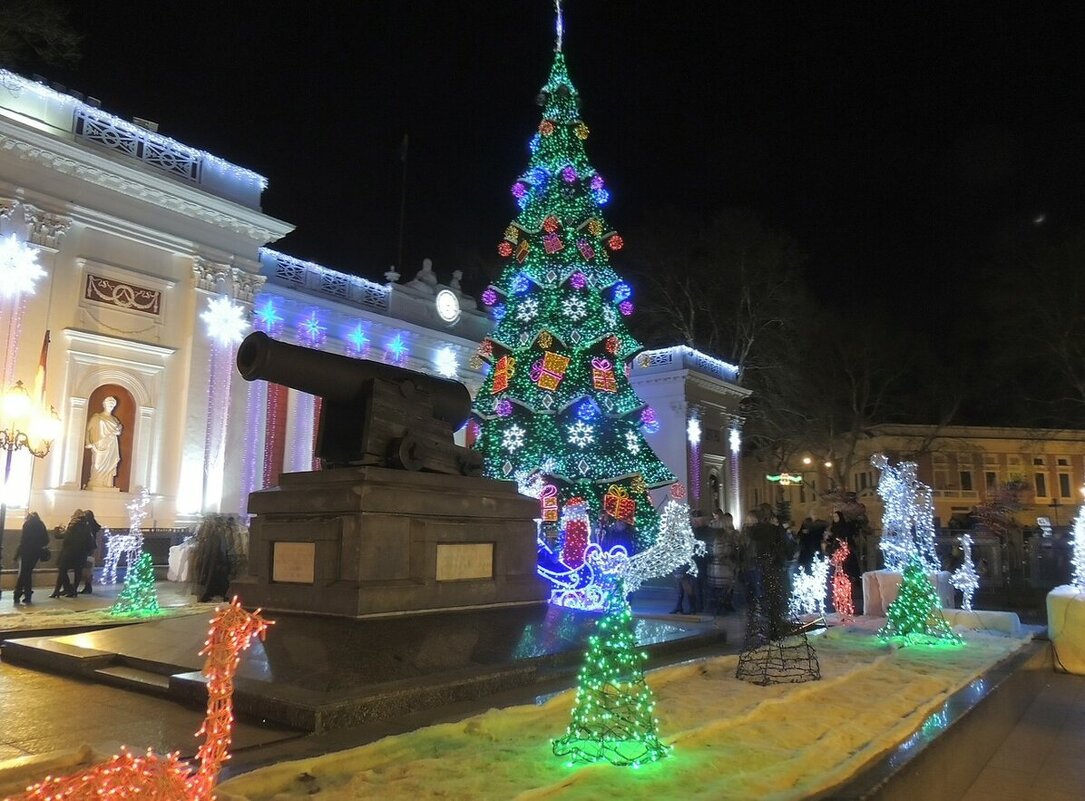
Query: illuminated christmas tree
(139, 598)
(916, 615)
(1078, 543)
(557, 399)
(613, 719)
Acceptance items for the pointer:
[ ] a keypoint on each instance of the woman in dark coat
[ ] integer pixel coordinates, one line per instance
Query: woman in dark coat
(34, 538)
(211, 561)
(74, 547)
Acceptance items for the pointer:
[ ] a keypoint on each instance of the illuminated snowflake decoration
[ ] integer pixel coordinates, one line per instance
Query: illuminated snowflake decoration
(576, 308)
(632, 442)
(513, 438)
(396, 350)
(19, 268)
(528, 310)
(357, 341)
(445, 362)
(268, 318)
(225, 321)
(735, 440)
(693, 431)
(311, 332)
(581, 434)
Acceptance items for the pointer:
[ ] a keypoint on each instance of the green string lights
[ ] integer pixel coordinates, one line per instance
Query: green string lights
(915, 617)
(613, 719)
(557, 399)
(139, 597)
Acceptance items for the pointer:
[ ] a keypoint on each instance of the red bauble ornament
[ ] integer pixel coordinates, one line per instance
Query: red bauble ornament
(505, 249)
(615, 242)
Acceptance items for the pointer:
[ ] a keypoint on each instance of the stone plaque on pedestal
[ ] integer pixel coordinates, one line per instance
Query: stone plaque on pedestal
(384, 541)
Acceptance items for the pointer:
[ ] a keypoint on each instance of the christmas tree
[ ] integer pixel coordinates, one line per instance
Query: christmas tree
(1078, 542)
(916, 615)
(557, 400)
(139, 598)
(612, 717)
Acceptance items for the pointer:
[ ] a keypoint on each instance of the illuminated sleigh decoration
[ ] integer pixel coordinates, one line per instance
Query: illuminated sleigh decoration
(154, 777)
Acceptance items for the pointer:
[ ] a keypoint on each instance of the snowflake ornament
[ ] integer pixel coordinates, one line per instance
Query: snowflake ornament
(581, 434)
(19, 268)
(528, 310)
(225, 320)
(513, 438)
(632, 442)
(575, 308)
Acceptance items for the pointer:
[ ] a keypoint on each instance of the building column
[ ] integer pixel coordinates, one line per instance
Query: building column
(734, 447)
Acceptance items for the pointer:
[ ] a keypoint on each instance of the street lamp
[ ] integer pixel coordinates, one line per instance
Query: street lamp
(23, 424)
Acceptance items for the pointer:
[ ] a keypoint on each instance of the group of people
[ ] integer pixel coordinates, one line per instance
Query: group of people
(78, 544)
(221, 554)
(749, 555)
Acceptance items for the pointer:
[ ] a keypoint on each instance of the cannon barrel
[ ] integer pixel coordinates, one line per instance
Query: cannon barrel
(340, 379)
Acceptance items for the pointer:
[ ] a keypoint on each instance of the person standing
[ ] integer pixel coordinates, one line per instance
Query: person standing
(34, 539)
(723, 561)
(93, 526)
(73, 555)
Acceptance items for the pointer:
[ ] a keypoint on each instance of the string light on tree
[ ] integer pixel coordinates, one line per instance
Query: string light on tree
(139, 597)
(808, 590)
(1077, 535)
(915, 617)
(613, 717)
(964, 577)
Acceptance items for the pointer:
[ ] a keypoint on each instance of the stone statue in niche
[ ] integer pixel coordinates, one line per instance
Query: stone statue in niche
(103, 432)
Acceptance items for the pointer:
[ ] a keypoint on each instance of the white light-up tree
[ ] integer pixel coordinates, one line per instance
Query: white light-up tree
(908, 520)
(964, 577)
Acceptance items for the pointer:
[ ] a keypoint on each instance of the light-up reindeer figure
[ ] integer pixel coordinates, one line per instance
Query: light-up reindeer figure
(129, 545)
(167, 778)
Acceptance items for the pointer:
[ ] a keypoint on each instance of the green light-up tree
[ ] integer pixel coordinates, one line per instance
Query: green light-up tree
(139, 597)
(557, 399)
(613, 719)
(916, 614)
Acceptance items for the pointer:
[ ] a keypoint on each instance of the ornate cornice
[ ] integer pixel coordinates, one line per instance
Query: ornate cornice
(101, 172)
(46, 228)
(246, 285)
(211, 276)
(7, 206)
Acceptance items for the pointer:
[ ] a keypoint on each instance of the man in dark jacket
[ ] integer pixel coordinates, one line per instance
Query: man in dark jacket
(93, 526)
(35, 537)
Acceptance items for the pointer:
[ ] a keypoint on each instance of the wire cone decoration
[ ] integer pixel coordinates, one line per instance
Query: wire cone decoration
(776, 649)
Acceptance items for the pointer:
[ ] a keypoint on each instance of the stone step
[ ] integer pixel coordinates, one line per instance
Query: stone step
(132, 678)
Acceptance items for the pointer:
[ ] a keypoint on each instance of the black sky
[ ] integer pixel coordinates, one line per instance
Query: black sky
(899, 143)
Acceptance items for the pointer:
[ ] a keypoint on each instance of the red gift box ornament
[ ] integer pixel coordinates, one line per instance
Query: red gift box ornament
(552, 243)
(602, 375)
(548, 371)
(549, 503)
(618, 504)
(586, 250)
(503, 371)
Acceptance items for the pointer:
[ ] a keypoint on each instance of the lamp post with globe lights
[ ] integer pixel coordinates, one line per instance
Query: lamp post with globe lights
(23, 424)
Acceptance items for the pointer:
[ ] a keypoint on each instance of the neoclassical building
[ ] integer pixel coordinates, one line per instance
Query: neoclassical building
(136, 235)
(154, 255)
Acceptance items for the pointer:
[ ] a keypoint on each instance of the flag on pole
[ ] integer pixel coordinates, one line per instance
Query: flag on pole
(39, 377)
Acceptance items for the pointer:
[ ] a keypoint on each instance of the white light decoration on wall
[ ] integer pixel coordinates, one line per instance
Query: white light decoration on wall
(445, 362)
(19, 268)
(735, 440)
(693, 431)
(225, 321)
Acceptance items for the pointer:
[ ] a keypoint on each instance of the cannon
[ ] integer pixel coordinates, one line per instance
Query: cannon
(371, 413)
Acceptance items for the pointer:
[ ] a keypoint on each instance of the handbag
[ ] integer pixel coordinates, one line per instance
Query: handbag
(46, 554)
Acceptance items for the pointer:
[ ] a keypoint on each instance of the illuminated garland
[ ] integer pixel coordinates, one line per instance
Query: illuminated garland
(964, 577)
(908, 521)
(127, 777)
(842, 602)
(139, 597)
(557, 398)
(1078, 543)
(915, 617)
(808, 589)
(613, 719)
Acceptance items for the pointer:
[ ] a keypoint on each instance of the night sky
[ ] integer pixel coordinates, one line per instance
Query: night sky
(900, 144)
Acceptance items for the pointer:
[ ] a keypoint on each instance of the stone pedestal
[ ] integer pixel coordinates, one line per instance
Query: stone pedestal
(357, 541)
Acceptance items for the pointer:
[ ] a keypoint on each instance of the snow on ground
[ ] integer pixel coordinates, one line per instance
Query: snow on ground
(732, 740)
(49, 618)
